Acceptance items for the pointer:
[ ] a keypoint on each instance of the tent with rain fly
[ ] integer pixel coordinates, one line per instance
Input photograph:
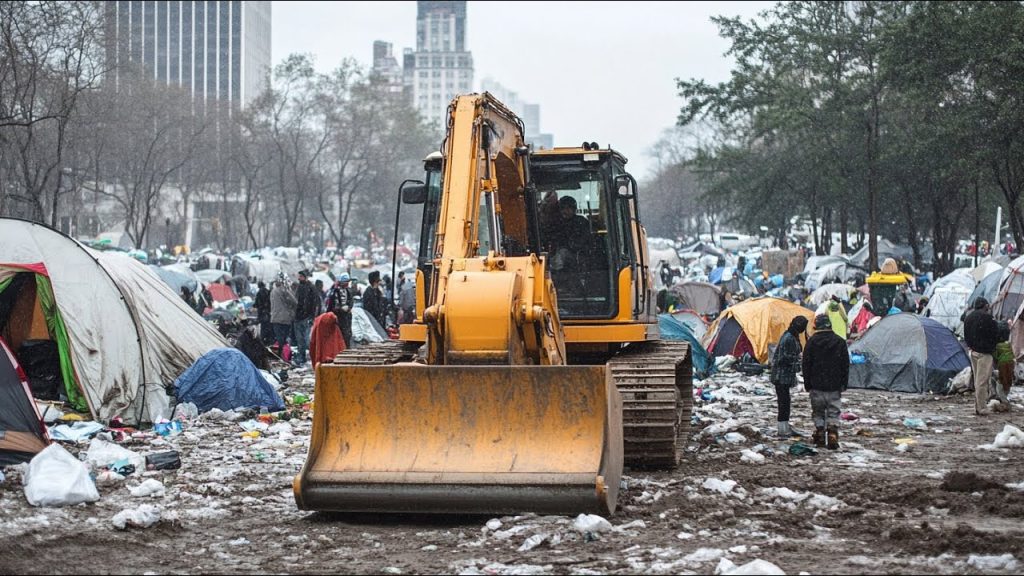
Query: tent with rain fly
(121, 333)
(694, 320)
(751, 326)
(988, 289)
(947, 304)
(825, 293)
(701, 297)
(907, 353)
(961, 277)
(674, 329)
(22, 431)
(1011, 291)
(985, 269)
(833, 273)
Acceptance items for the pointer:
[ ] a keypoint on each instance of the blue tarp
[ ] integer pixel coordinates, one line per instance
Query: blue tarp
(225, 378)
(673, 329)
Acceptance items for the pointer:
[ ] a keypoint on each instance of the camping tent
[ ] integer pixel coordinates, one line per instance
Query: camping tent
(175, 279)
(888, 249)
(985, 269)
(701, 297)
(122, 334)
(961, 277)
(226, 379)
(946, 305)
(672, 328)
(832, 273)
(988, 289)
(825, 292)
(1011, 291)
(907, 353)
(22, 432)
(692, 320)
(751, 326)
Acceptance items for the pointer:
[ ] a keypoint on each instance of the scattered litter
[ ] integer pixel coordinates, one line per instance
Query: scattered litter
(751, 457)
(169, 460)
(702, 555)
(103, 454)
(990, 563)
(76, 431)
(142, 517)
(56, 478)
(915, 423)
(903, 448)
(532, 542)
(591, 523)
(905, 441)
(849, 416)
(150, 487)
(717, 485)
(493, 524)
(801, 449)
(735, 438)
(727, 568)
(108, 478)
(1010, 437)
(185, 411)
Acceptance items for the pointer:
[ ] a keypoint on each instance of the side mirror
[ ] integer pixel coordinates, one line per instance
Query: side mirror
(414, 192)
(625, 186)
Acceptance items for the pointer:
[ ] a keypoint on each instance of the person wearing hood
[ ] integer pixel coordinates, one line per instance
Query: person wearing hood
(826, 369)
(837, 317)
(785, 363)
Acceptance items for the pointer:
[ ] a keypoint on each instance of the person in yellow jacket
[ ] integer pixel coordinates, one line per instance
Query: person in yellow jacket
(837, 316)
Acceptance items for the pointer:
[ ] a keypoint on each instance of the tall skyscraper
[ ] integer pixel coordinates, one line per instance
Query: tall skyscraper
(441, 66)
(216, 49)
(385, 64)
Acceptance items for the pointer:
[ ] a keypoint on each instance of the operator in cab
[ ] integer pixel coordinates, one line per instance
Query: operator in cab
(566, 236)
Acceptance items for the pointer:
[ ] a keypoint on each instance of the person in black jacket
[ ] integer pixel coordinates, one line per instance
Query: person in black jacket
(981, 333)
(374, 301)
(306, 308)
(785, 364)
(826, 369)
(263, 313)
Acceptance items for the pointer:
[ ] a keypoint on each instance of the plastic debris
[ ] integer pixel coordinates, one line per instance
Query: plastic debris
(728, 568)
(991, 563)
(144, 516)
(56, 478)
(915, 423)
(169, 460)
(149, 487)
(532, 542)
(849, 416)
(108, 478)
(751, 457)
(801, 449)
(185, 411)
(76, 431)
(1010, 437)
(592, 523)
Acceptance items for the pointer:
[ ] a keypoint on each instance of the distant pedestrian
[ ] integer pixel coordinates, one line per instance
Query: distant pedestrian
(262, 305)
(407, 303)
(785, 364)
(307, 304)
(339, 301)
(826, 369)
(319, 285)
(374, 301)
(282, 313)
(981, 334)
(837, 316)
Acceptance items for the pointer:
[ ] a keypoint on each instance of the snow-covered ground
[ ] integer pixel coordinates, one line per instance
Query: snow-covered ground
(944, 498)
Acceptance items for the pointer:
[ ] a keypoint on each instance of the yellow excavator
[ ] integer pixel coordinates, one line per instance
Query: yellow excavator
(534, 370)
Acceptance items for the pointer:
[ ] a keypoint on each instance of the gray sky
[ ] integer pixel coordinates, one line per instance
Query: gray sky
(601, 71)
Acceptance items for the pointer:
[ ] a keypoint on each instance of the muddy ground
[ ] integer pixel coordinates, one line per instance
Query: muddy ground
(943, 506)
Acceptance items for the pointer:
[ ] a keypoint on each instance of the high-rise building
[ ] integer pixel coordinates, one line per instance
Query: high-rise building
(216, 49)
(441, 66)
(386, 65)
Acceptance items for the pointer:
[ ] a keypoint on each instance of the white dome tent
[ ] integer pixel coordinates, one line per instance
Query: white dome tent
(121, 333)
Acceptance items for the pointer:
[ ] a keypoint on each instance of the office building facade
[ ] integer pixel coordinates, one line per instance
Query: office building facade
(441, 67)
(217, 50)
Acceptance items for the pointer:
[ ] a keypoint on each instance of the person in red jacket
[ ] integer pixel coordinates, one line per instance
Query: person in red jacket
(325, 340)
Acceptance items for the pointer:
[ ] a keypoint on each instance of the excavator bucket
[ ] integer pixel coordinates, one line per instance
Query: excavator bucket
(463, 439)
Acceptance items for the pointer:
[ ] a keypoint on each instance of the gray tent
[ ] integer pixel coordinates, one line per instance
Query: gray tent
(906, 353)
(701, 297)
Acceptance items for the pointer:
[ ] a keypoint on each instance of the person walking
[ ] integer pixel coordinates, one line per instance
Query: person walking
(981, 334)
(374, 301)
(307, 304)
(837, 316)
(826, 369)
(282, 313)
(339, 301)
(785, 364)
(262, 305)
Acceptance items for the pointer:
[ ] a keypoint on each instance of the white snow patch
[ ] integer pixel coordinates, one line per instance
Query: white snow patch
(149, 487)
(142, 517)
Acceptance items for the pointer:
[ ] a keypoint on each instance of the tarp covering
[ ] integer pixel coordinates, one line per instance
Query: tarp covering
(225, 378)
(763, 321)
(693, 320)
(824, 293)
(674, 329)
(946, 305)
(125, 331)
(961, 277)
(988, 289)
(22, 432)
(175, 278)
(907, 353)
(701, 297)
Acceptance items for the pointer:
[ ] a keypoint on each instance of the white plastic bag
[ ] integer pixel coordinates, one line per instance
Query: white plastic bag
(102, 454)
(185, 411)
(56, 478)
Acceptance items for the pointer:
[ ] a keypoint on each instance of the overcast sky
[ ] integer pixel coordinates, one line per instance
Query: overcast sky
(601, 71)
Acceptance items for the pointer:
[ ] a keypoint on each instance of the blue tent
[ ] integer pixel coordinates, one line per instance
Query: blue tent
(907, 353)
(674, 329)
(225, 378)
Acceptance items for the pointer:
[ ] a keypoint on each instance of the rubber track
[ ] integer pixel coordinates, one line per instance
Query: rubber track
(656, 383)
